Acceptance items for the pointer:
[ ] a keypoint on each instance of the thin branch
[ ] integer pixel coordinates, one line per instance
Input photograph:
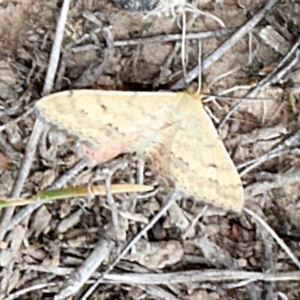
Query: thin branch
(280, 242)
(55, 52)
(90, 76)
(38, 126)
(237, 36)
(198, 276)
(280, 149)
(60, 182)
(22, 175)
(173, 38)
(80, 276)
(172, 198)
(273, 77)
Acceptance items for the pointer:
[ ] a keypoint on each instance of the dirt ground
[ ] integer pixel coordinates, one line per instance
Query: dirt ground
(193, 251)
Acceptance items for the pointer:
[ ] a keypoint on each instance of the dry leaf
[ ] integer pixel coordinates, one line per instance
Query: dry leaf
(156, 255)
(4, 162)
(172, 128)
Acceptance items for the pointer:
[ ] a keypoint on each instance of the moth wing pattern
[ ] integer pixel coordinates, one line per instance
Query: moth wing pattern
(172, 128)
(200, 164)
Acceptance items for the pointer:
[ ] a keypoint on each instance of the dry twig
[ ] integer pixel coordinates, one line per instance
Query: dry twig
(283, 147)
(280, 242)
(208, 61)
(171, 199)
(38, 127)
(85, 271)
(90, 76)
(60, 182)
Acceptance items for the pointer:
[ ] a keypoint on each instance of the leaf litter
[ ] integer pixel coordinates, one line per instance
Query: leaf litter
(60, 236)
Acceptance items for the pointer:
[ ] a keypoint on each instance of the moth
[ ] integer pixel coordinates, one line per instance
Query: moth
(173, 129)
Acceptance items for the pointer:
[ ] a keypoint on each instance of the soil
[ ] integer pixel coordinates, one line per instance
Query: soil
(38, 254)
